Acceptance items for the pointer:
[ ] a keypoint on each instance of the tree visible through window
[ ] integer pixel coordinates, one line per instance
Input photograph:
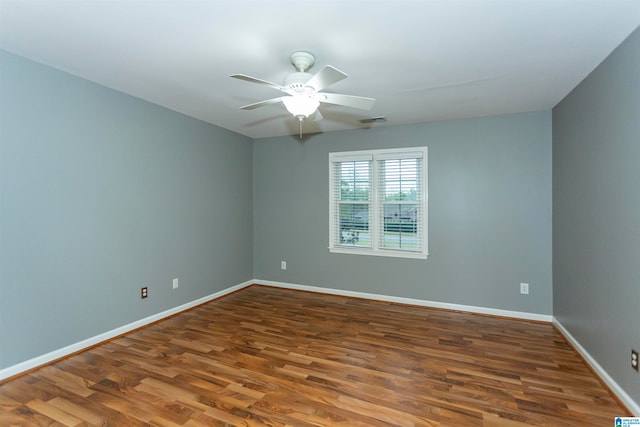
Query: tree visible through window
(378, 202)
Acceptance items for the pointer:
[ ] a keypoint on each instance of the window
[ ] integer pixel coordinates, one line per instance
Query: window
(378, 202)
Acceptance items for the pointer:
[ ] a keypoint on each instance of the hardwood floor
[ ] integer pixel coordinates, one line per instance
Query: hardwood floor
(267, 356)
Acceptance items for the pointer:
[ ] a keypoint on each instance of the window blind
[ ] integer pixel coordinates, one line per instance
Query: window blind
(400, 196)
(378, 202)
(353, 193)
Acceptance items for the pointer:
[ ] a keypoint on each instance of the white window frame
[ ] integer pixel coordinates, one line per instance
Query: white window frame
(375, 217)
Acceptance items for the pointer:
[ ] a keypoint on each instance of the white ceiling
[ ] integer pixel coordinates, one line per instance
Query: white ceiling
(421, 60)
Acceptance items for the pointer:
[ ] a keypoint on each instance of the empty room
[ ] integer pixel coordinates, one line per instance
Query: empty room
(320, 213)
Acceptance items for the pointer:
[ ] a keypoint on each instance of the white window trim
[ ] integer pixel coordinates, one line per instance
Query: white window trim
(375, 155)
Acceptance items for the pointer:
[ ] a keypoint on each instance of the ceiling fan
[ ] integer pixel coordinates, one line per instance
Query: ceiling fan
(304, 90)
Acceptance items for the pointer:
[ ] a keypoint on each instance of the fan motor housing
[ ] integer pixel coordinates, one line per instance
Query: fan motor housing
(296, 79)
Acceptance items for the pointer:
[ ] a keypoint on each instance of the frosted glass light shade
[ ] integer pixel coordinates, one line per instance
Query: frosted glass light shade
(300, 105)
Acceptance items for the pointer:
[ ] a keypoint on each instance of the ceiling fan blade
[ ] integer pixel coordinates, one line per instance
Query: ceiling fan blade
(259, 81)
(359, 102)
(261, 103)
(327, 76)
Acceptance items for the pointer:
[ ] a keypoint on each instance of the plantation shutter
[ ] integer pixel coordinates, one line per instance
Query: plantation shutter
(378, 202)
(352, 192)
(400, 201)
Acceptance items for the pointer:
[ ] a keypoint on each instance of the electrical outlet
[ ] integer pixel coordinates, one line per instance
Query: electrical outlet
(524, 288)
(175, 283)
(144, 292)
(634, 359)
(283, 265)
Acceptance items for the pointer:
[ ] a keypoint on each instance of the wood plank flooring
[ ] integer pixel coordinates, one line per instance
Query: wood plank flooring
(275, 357)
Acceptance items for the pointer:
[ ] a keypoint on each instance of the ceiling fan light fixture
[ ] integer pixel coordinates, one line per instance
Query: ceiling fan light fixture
(301, 106)
(303, 89)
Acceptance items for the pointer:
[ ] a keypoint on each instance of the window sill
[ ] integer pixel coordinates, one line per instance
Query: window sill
(384, 253)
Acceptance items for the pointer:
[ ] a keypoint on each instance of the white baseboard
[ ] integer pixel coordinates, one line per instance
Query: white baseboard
(44, 359)
(606, 378)
(411, 301)
(615, 388)
(89, 342)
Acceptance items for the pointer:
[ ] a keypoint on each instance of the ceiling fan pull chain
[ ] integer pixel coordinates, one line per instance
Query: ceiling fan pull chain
(300, 127)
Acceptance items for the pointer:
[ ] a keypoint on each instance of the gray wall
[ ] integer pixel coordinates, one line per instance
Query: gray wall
(102, 193)
(489, 213)
(596, 213)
